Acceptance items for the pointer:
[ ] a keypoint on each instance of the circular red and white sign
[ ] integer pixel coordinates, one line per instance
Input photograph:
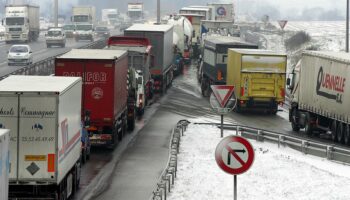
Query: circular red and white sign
(234, 155)
(97, 93)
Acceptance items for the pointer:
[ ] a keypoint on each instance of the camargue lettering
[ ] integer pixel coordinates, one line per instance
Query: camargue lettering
(5, 112)
(40, 113)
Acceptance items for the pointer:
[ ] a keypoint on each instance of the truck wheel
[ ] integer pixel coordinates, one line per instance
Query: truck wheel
(204, 87)
(131, 125)
(340, 132)
(334, 130)
(347, 134)
(83, 159)
(295, 124)
(308, 125)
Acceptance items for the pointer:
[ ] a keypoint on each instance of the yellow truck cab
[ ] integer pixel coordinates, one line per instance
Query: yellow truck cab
(259, 77)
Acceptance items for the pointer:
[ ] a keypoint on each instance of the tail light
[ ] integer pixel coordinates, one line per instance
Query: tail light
(282, 92)
(219, 75)
(241, 102)
(242, 91)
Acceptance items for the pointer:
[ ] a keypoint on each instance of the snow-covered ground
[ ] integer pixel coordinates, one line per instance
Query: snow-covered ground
(276, 174)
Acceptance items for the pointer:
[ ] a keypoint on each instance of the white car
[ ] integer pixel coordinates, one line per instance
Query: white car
(20, 54)
(55, 37)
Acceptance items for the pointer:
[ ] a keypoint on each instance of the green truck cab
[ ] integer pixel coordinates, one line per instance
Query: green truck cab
(259, 77)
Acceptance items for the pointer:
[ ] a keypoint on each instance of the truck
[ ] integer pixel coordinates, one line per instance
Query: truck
(4, 163)
(162, 52)
(135, 11)
(319, 95)
(84, 32)
(22, 23)
(43, 114)
(259, 78)
(110, 17)
(139, 56)
(83, 15)
(105, 94)
(212, 69)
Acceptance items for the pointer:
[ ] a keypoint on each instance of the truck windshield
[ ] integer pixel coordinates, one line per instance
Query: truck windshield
(68, 27)
(14, 21)
(19, 49)
(84, 27)
(54, 33)
(101, 29)
(112, 16)
(81, 18)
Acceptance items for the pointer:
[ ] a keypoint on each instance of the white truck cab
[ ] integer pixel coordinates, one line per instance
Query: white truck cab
(55, 37)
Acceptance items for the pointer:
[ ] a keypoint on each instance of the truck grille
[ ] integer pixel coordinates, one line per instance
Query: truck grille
(15, 29)
(15, 36)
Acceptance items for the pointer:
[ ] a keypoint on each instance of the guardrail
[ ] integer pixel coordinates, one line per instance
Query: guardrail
(167, 177)
(306, 146)
(46, 66)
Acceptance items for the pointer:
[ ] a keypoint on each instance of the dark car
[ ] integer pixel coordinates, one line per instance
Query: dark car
(102, 31)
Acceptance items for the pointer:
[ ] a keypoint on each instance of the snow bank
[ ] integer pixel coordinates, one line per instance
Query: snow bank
(276, 173)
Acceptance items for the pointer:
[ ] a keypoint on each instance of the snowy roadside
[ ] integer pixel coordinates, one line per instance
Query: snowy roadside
(277, 173)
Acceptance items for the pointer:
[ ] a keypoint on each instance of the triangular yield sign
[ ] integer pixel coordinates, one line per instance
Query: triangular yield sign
(222, 93)
(282, 23)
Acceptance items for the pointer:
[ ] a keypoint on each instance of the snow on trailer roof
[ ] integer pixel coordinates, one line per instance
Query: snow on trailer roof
(150, 27)
(101, 54)
(258, 52)
(339, 56)
(18, 83)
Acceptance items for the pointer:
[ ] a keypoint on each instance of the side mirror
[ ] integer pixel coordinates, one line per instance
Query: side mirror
(288, 81)
(193, 33)
(30, 52)
(139, 80)
(71, 19)
(2, 22)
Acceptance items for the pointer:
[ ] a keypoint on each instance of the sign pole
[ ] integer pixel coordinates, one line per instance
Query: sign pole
(234, 187)
(222, 125)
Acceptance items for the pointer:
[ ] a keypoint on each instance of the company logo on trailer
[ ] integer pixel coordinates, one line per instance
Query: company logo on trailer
(7, 112)
(37, 127)
(97, 93)
(89, 76)
(221, 11)
(330, 86)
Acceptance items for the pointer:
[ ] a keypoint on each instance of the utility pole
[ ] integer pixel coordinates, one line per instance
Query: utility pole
(56, 13)
(347, 26)
(158, 11)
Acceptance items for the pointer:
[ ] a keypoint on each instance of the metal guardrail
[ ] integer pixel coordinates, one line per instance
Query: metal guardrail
(319, 149)
(46, 66)
(167, 177)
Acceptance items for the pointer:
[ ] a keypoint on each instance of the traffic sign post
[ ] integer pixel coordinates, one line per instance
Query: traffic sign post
(223, 101)
(234, 155)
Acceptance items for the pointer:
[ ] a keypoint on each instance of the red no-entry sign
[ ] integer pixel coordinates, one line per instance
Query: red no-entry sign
(234, 155)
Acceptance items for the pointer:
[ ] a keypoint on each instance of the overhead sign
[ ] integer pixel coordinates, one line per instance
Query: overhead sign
(234, 155)
(282, 23)
(222, 93)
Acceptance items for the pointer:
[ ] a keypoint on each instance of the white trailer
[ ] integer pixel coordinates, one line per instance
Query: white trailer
(320, 94)
(84, 15)
(44, 116)
(4, 163)
(21, 23)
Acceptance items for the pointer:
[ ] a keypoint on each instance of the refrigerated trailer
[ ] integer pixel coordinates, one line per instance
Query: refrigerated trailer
(4, 162)
(43, 114)
(105, 94)
(161, 38)
(320, 94)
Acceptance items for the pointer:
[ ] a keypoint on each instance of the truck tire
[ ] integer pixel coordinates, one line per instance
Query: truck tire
(308, 125)
(333, 129)
(204, 87)
(347, 134)
(294, 121)
(340, 132)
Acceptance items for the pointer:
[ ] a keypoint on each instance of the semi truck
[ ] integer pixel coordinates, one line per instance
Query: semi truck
(259, 77)
(319, 98)
(4, 163)
(139, 57)
(84, 15)
(213, 66)
(43, 114)
(110, 17)
(22, 23)
(105, 94)
(162, 52)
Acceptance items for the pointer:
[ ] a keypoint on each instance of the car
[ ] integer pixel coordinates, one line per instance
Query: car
(20, 54)
(102, 31)
(55, 37)
(84, 32)
(70, 30)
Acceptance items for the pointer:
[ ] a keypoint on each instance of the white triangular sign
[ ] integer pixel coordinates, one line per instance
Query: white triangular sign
(222, 93)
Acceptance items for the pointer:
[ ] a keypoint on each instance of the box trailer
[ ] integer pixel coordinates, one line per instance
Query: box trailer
(4, 163)
(105, 94)
(161, 38)
(320, 94)
(43, 114)
(212, 69)
(259, 77)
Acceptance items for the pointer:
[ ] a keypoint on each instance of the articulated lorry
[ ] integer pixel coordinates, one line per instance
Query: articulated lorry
(213, 67)
(22, 23)
(319, 101)
(105, 94)
(4, 163)
(161, 39)
(43, 114)
(259, 77)
(110, 17)
(139, 57)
